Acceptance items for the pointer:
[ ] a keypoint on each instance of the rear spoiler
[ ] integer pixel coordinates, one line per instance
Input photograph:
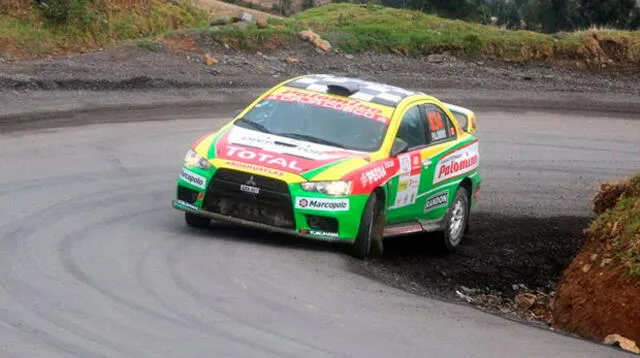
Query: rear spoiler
(466, 118)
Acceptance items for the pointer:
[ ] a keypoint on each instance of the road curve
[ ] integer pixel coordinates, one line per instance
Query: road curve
(95, 263)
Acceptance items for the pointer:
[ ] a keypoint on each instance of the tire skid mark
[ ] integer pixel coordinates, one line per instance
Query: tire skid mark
(186, 322)
(17, 323)
(10, 243)
(27, 184)
(173, 258)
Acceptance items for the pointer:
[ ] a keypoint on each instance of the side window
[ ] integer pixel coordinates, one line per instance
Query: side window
(440, 128)
(411, 128)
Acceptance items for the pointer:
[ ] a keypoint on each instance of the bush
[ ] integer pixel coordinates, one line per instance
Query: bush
(61, 11)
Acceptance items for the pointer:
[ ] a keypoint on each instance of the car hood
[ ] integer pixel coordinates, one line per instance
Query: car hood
(306, 159)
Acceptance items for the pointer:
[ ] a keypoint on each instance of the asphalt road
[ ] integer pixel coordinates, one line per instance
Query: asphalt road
(94, 262)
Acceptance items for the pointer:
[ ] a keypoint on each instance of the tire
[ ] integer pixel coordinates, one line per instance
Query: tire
(196, 221)
(369, 241)
(456, 221)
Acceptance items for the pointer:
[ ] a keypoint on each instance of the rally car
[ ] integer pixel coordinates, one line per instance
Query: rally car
(337, 158)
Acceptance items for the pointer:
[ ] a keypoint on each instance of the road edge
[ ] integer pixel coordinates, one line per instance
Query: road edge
(576, 102)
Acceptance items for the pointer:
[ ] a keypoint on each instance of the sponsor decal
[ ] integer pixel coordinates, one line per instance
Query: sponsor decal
(250, 186)
(254, 167)
(438, 135)
(409, 181)
(261, 157)
(436, 201)
(323, 233)
(323, 100)
(389, 164)
(373, 175)
(322, 204)
(460, 162)
(193, 178)
(184, 204)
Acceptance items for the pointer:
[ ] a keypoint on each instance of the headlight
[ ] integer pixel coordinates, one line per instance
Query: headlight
(334, 188)
(195, 160)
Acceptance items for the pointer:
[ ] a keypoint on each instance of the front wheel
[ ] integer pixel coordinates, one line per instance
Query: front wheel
(456, 220)
(369, 239)
(196, 221)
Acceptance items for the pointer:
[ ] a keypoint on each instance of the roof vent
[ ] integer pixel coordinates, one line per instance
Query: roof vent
(345, 90)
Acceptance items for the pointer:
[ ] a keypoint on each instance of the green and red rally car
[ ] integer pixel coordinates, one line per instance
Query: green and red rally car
(337, 158)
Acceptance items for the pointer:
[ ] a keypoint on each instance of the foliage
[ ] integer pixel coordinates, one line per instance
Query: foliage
(618, 222)
(33, 30)
(540, 15)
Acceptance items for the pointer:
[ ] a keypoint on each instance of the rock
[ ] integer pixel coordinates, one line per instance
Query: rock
(526, 300)
(349, 57)
(307, 35)
(622, 342)
(6, 55)
(246, 17)
(262, 24)
(605, 262)
(321, 44)
(593, 257)
(209, 60)
(221, 21)
(435, 58)
(466, 290)
(586, 268)
(293, 60)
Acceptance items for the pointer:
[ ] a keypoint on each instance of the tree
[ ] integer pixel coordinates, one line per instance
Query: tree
(609, 13)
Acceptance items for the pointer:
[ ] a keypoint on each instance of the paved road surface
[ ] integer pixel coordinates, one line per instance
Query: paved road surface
(94, 262)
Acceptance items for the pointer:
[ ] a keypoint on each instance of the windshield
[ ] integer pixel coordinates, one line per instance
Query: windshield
(341, 123)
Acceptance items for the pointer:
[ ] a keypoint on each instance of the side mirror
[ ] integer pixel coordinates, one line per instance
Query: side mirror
(399, 146)
(235, 113)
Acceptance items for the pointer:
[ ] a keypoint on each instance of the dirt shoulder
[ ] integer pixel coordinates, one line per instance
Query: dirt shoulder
(176, 72)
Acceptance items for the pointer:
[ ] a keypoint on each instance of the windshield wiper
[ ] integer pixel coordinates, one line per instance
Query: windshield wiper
(253, 125)
(311, 139)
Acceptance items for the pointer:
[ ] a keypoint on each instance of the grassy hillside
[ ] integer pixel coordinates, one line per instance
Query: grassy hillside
(27, 30)
(357, 28)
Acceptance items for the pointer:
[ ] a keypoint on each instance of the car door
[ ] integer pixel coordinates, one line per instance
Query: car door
(403, 194)
(436, 192)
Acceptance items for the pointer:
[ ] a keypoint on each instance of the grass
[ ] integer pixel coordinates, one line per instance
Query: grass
(358, 28)
(27, 32)
(618, 224)
(351, 28)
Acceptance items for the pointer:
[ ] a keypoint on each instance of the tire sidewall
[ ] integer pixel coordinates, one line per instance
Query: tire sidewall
(462, 194)
(364, 244)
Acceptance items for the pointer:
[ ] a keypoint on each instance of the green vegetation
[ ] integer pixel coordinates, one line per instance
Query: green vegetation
(357, 28)
(28, 30)
(546, 16)
(618, 222)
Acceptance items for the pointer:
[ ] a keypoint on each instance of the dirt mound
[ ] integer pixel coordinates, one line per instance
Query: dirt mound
(599, 293)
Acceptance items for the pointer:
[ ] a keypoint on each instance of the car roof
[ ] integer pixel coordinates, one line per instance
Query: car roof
(369, 91)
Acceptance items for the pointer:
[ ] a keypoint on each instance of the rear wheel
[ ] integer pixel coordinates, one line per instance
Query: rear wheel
(197, 221)
(369, 240)
(456, 220)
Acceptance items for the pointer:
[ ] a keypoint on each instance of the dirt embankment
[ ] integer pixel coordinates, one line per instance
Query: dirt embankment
(599, 294)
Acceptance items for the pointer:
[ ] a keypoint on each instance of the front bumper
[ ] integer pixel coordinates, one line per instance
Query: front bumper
(278, 207)
(186, 207)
